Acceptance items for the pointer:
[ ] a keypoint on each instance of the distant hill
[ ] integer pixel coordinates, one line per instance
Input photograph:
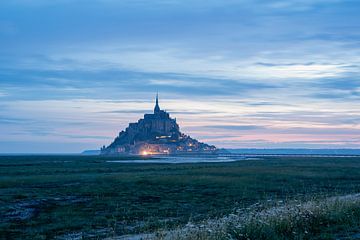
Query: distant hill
(296, 151)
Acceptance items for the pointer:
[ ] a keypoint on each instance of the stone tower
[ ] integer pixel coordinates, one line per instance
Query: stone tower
(157, 108)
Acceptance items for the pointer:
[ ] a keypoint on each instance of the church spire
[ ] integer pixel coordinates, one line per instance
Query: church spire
(157, 108)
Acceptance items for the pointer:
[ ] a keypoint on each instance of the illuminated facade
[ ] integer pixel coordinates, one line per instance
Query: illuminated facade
(155, 134)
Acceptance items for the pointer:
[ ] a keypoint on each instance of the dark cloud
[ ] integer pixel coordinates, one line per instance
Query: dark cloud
(14, 121)
(112, 83)
(341, 83)
(260, 103)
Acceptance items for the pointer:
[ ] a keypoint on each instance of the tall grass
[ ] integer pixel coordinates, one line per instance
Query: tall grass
(317, 219)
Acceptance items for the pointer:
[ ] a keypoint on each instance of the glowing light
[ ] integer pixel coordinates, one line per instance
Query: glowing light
(145, 153)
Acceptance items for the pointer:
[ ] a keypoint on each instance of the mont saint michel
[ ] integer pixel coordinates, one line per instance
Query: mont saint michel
(156, 134)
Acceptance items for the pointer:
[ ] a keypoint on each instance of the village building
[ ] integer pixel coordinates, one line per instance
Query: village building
(155, 134)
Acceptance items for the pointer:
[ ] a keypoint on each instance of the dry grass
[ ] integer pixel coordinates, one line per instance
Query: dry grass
(311, 220)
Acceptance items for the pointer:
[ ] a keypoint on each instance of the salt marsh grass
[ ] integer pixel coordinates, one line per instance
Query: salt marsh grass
(47, 197)
(336, 217)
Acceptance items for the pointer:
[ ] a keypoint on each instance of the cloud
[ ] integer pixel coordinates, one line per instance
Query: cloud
(310, 70)
(236, 127)
(299, 5)
(199, 112)
(265, 64)
(14, 121)
(337, 95)
(98, 121)
(286, 71)
(329, 60)
(107, 83)
(136, 111)
(346, 83)
(177, 83)
(3, 94)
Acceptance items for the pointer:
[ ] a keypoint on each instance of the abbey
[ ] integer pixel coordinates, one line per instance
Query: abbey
(155, 134)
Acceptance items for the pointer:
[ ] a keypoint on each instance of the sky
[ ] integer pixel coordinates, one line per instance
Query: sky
(235, 73)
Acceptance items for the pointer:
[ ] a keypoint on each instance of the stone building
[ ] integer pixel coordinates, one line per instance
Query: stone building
(155, 134)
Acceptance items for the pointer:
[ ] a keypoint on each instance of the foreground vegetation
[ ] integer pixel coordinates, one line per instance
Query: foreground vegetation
(45, 197)
(336, 217)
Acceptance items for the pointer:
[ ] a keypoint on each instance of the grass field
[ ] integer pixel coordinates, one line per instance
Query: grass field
(45, 197)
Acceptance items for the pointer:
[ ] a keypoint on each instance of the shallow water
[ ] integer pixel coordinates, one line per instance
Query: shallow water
(186, 159)
(218, 159)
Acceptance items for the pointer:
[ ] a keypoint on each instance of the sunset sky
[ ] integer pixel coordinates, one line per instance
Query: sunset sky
(234, 73)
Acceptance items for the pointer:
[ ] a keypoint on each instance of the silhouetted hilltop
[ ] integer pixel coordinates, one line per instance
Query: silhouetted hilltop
(156, 133)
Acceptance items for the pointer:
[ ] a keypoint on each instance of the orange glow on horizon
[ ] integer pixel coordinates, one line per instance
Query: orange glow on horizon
(144, 153)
